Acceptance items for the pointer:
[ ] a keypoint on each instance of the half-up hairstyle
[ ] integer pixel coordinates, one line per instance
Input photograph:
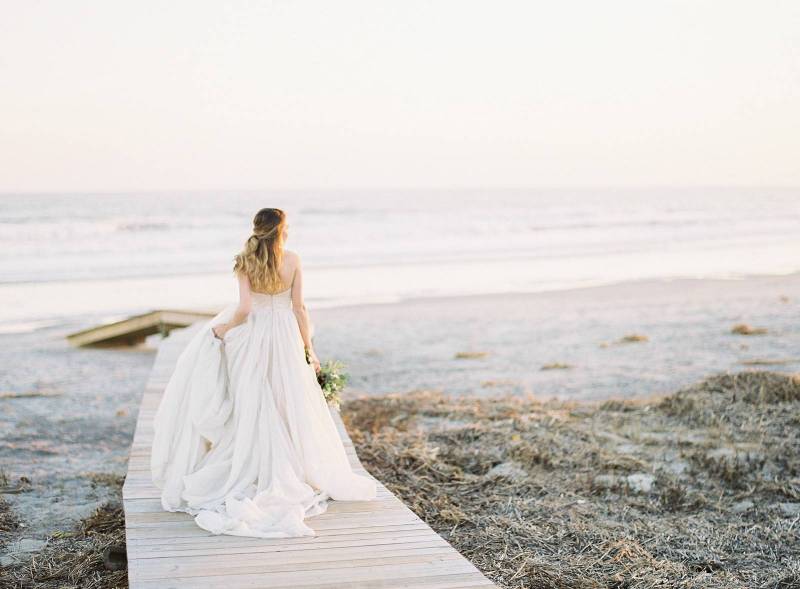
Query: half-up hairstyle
(262, 253)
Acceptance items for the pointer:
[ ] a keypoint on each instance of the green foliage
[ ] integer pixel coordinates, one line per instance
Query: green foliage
(332, 379)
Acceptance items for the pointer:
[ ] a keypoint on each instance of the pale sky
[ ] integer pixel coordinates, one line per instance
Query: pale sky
(212, 94)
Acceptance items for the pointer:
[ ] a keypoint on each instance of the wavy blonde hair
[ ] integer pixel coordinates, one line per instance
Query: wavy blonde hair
(263, 251)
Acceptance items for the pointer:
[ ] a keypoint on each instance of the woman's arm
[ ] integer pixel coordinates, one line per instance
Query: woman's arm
(301, 313)
(242, 310)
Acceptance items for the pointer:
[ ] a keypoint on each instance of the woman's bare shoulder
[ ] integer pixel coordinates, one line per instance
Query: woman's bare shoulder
(291, 256)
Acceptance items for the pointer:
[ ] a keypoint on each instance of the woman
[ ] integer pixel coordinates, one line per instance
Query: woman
(244, 440)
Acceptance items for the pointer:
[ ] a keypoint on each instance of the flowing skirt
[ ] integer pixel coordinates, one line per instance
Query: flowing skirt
(244, 439)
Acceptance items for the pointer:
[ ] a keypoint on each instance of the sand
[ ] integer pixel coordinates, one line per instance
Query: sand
(68, 414)
(625, 340)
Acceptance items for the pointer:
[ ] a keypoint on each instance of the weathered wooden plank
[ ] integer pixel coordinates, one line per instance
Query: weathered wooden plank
(302, 562)
(152, 504)
(328, 575)
(377, 540)
(359, 544)
(134, 330)
(385, 579)
(189, 534)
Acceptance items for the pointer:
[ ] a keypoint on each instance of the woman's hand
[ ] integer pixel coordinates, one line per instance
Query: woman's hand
(312, 359)
(220, 330)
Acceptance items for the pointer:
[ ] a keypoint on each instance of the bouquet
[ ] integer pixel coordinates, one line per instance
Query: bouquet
(332, 378)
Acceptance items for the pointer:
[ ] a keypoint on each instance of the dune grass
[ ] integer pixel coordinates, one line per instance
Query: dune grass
(700, 488)
(695, 489)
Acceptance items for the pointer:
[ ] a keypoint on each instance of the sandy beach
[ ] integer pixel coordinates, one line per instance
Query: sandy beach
(68, 414)
(572, 344)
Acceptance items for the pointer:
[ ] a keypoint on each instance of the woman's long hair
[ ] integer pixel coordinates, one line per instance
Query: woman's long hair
(263, 251)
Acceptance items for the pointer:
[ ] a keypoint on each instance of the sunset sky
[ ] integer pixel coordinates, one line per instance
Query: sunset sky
(206, 94)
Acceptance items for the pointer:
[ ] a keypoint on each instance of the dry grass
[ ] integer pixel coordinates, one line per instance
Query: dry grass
(632, 338)
(112, 480)
(744, 329)
(470, 355)
(9, 522)
(556, 366)
(766, 362)
(551, 494)
(74, 559)
(23, 394)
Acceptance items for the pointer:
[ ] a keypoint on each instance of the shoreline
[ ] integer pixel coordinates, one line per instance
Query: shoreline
(565, 343)
(645, 285)
(793, 278)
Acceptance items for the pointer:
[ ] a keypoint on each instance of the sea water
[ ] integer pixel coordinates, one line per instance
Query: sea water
(82, 258)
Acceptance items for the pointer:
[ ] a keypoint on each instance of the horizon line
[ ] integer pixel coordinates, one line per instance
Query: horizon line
(472, 188)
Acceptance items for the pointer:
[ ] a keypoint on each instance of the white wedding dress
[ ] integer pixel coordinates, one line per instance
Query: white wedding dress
(244, 440)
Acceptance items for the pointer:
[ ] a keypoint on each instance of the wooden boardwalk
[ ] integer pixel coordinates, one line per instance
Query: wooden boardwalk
(134, 330)
(364, 544)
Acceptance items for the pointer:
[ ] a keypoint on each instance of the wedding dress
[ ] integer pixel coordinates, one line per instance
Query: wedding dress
(244, 440)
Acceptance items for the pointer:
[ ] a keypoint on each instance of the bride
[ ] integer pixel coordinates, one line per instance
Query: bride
(244, 440)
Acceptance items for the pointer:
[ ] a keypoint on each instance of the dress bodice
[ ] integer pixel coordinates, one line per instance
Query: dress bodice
(265, 301)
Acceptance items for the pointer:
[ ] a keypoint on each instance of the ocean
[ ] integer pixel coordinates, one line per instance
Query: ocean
(83, 258)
